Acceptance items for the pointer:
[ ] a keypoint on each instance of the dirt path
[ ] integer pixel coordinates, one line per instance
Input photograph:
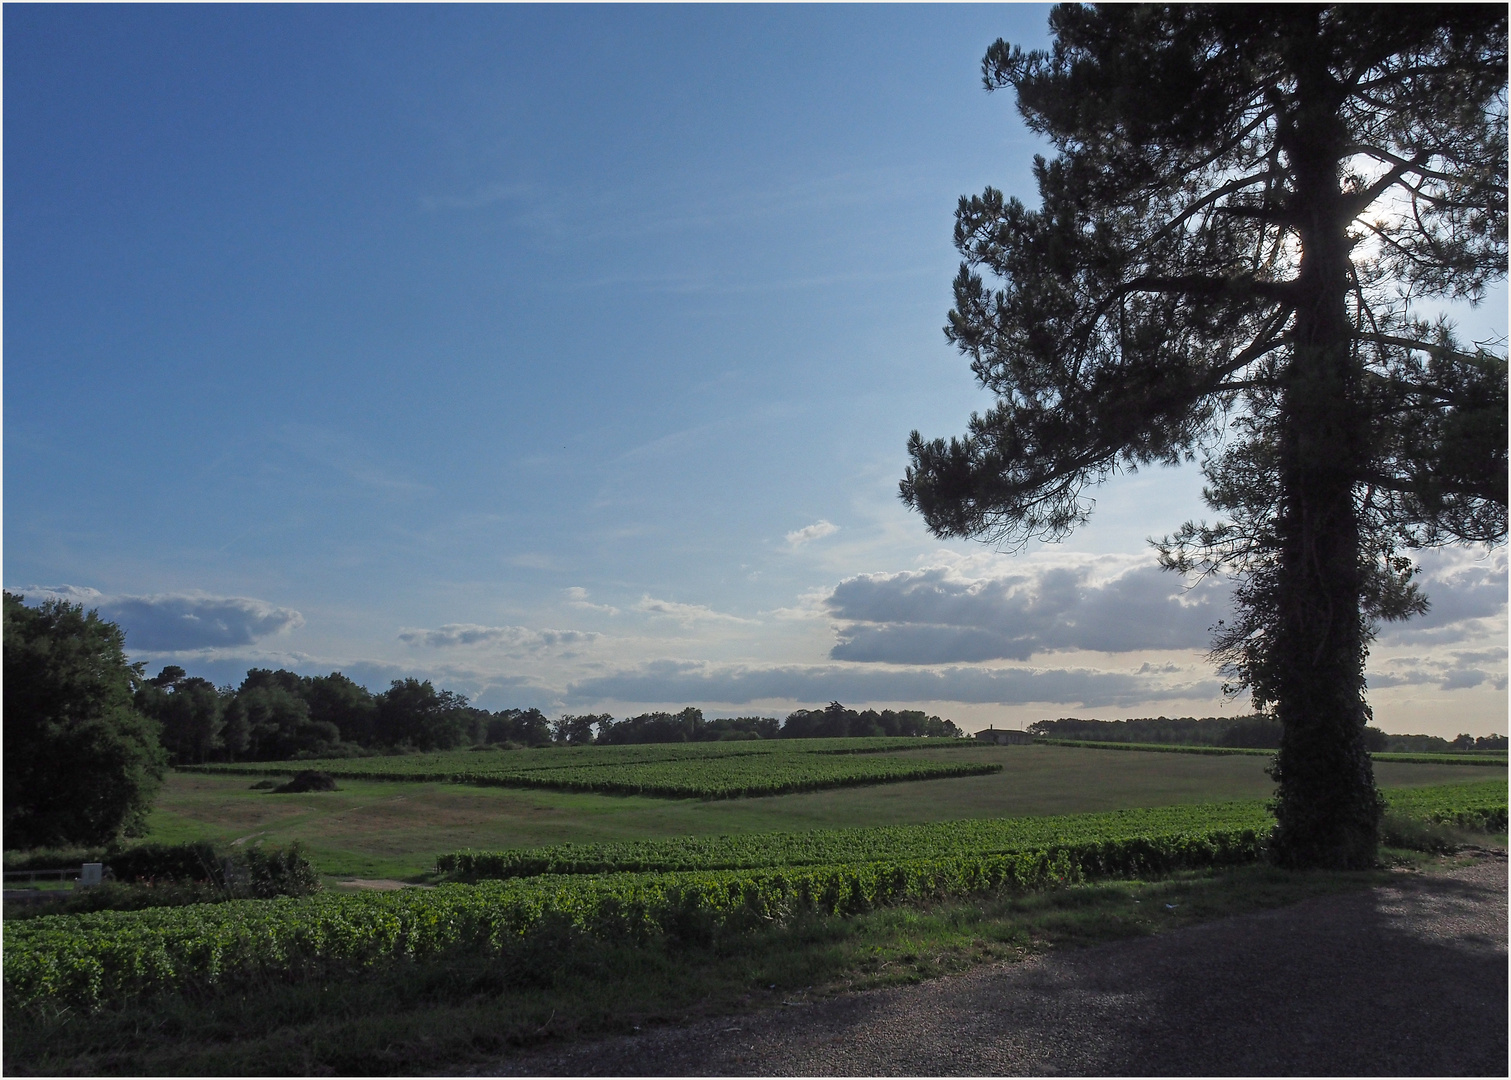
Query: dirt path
(1407, 980)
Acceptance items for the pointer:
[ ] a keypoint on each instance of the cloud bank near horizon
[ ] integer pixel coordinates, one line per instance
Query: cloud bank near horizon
(735, 684)
(974, 630)
(946, 614)
(178, 622)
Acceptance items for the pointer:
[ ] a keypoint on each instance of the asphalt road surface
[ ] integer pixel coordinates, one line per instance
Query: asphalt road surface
(1407, 979)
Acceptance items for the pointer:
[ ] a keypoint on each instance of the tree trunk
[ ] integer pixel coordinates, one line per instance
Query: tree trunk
(1327, 808)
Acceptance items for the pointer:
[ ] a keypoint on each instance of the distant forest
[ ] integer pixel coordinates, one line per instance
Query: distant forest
(1255, 731)
(278, 715)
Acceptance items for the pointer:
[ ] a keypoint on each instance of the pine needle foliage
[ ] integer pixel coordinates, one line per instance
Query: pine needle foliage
(1249, 216)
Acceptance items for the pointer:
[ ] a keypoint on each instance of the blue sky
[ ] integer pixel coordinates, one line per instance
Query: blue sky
(566, 356)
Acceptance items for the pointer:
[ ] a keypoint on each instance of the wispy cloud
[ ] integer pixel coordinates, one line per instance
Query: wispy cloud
(344, 455)
(577, 596)
(169, 622)
(809, 533)
(685, 613)
(511, 637)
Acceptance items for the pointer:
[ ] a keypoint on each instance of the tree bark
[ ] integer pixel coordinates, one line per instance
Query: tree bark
(1327, 807)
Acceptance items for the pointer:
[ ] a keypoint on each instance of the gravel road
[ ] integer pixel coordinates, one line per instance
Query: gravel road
(1407, 979)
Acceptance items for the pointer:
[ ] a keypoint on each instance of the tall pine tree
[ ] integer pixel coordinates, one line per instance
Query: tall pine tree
(1249, 210)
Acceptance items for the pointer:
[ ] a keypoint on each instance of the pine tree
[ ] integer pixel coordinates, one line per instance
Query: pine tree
(1248, 210)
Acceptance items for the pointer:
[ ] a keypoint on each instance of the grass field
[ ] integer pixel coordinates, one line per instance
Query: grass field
(390, 829)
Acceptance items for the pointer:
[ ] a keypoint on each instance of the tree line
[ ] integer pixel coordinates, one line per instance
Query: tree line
(277, 715)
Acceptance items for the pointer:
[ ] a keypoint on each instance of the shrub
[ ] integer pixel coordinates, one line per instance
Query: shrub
(167, 862)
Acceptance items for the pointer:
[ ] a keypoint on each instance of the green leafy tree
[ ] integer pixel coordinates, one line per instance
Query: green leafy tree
(191, 711)
(412, 712)
(235, 729)
(578, 730)
(270, 707)
(82, 765)
(1248, 208)
(337, 700)
(527, 726)
(656, 727)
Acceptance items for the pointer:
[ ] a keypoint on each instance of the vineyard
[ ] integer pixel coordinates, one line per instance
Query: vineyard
(946, 839)
(1480, 805)
(104, 957)
(1490, 758)
(676, 770)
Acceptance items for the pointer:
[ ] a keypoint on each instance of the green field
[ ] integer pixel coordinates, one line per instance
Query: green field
(390, 829)
(730, 770)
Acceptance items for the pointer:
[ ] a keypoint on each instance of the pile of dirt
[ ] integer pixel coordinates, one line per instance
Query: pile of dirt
(309, 780)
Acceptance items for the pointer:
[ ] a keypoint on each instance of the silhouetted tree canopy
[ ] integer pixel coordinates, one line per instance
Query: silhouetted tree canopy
(191, 711)
(1248, 209)
(82, 765)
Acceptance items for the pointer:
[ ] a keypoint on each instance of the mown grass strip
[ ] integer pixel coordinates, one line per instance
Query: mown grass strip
(1155, 748)
(1493, 760)
(1472, 758)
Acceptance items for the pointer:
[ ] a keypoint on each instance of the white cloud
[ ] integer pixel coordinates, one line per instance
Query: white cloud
(510, 637)
(173, 622)
(1466, 591)
(808, 533)
(577, 596)
(965, 614)
(685, 613)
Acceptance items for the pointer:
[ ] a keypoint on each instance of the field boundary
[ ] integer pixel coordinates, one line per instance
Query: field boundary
(1483, 759)
(551, 778)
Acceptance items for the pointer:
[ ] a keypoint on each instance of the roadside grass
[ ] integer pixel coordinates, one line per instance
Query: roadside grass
(391, 829)
(457, 1010)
